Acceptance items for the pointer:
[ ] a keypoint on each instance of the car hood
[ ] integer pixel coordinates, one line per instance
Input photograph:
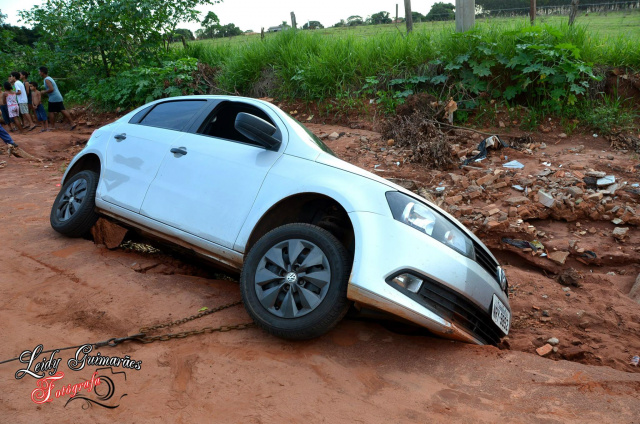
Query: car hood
(329, 160)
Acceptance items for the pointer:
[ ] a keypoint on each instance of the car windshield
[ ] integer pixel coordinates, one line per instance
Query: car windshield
(313, 137)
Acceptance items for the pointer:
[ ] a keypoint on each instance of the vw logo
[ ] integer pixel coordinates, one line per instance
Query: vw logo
(291, 277)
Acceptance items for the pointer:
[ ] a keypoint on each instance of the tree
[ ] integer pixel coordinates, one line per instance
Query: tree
(342, 23)
(441, 12)
(109, 34)
(380, 18)
(354, 20)
(210, 26)
(312, 25)
(417, 17)
(182, 32)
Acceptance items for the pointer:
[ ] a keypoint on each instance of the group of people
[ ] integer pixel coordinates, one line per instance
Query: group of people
(21, 98)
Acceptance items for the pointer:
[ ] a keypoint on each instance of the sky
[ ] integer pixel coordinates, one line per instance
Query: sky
(254, 14)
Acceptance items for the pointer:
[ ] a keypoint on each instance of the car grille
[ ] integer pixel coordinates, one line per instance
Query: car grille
(460, 311)
(486, 261)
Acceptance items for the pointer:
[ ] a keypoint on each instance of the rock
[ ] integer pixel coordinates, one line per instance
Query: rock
(555, 349)
(513, 211)
(493, 211)
(574, 353)
(606, 181)
(553, 341)
(634, 294)
(487, 179)
(108, 233)
(501, 124)
(546, 199)
(617, 221)
(562, 135)
(453, 200)
(391, 142)
(517, 200)
(333, 136)
(558, 257)
(620, 233)
(596, 174)
(574, 191)
(595, 196)
(545, 313)
(544, 350)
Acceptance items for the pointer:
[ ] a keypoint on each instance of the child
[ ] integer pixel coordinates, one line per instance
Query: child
(5, 114)
(36, 98)
(11, 101)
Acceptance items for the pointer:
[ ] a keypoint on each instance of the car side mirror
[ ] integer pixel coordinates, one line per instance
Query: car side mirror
(257, 130)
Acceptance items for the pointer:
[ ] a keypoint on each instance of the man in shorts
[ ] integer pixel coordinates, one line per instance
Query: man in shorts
(55, 99)
(23, 102)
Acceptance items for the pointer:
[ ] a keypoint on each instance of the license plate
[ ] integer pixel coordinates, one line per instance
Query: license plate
(501, 315)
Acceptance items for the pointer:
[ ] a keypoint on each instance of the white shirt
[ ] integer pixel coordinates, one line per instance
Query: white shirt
(22, 97)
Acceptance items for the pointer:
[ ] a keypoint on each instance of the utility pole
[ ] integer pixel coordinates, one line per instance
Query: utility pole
(407, 15)
(465, 15)
(293, 20)
(396, 22)
(574, 11)
(532, 12)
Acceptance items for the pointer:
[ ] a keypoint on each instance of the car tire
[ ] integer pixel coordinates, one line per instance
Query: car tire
(316, 298)
(73, 212)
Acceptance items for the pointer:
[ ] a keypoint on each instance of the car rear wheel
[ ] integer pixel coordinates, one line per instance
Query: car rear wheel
(294, 281)
(73, 212)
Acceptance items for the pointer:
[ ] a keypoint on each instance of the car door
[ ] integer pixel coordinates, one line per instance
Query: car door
(208, 186)
(137, 147)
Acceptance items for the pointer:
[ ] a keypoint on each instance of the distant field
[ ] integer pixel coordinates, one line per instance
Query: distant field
(604, 25)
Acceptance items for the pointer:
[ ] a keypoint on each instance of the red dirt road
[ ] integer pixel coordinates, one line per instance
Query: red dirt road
(64, 292)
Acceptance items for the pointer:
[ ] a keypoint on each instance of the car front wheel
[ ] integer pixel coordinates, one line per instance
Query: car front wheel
(73, 212)
(294, 281)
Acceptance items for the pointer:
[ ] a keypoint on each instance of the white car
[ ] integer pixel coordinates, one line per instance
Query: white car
(241, 182)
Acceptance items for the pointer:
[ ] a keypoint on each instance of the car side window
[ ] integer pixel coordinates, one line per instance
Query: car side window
(221, 122)
(172, 115)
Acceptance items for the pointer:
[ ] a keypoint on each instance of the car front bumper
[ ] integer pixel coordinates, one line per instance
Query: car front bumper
(456, 297)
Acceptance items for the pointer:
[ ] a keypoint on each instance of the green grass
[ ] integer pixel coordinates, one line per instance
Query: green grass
(600, 25)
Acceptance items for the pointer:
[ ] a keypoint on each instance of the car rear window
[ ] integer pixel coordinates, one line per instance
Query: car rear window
(173, 115)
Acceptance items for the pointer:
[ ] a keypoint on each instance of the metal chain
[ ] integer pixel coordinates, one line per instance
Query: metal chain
(144, 337)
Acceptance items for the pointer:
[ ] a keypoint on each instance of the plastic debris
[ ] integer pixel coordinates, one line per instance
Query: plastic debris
(595, 136)
(494, 141)
(635, 361)
(524, 244)
(514, 164)
(635, 185)
(546, 163)
(439, 188)
(605, 181)
(518, 187)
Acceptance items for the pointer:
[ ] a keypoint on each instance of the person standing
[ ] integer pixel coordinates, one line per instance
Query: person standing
(24, 76)
(36, 97)
(23, 102)
(5, 114)
(55, 99)
(10, 99)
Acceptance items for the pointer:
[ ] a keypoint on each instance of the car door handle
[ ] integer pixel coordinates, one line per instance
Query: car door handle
(120, 137)
(179, 151)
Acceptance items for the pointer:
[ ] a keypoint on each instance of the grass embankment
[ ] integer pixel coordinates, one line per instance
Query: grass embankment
(551, 68)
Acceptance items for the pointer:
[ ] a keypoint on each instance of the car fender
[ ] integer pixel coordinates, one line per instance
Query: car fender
(292, 175)
(96, 145)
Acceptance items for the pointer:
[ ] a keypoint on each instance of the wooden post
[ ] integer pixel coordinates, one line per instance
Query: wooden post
(407, 15)
(532, 12)
(574, 11)
(293, 20)
(465, 15)
(396, 22)
(262, 33)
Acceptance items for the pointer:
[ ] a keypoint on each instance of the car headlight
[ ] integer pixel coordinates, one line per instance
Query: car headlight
(421, 217)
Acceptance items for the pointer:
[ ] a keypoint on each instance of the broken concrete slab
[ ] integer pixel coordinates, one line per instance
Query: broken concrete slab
(546, 199)
(606, 181)
(517, 200)
(558, 257)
